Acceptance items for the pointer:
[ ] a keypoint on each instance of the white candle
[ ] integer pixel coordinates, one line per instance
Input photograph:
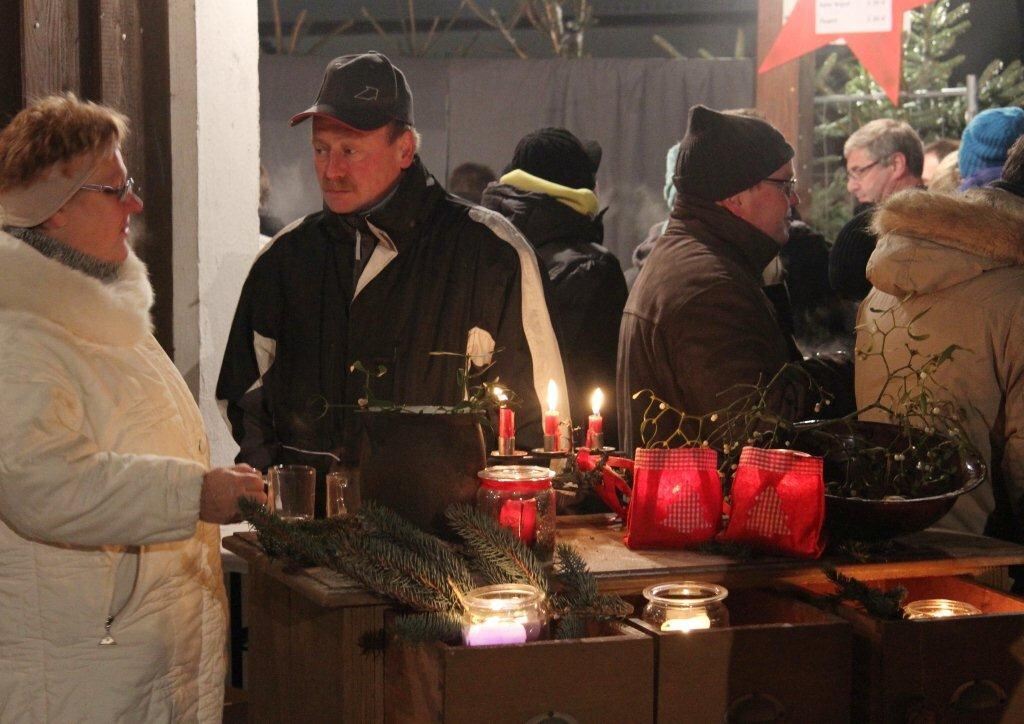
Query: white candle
(494, 631)
(690, 621)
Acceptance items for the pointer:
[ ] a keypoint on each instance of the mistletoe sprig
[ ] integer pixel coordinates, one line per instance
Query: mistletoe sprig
(923, 459)
(391, 557)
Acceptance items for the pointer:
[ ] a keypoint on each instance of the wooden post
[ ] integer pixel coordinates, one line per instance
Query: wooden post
(128, 31)
(10, 61)
(786, 94)
(49, 46)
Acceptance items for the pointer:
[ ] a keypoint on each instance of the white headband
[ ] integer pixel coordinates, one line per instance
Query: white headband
(28, 206)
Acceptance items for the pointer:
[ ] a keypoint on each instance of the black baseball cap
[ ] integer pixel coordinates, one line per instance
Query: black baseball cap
(362, 90)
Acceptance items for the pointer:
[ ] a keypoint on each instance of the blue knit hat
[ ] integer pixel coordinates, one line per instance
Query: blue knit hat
(987, 139)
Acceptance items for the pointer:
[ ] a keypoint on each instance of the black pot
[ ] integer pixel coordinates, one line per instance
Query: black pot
(864, 518)
(420, 461)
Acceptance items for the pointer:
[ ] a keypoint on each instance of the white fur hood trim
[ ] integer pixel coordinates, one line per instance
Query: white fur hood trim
(116, 313)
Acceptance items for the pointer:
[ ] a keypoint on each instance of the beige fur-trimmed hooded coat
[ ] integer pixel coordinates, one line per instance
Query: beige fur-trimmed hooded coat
(960, 260)
(102, 456)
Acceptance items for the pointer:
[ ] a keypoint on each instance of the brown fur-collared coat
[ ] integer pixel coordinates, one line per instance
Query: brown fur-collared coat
(959, 260)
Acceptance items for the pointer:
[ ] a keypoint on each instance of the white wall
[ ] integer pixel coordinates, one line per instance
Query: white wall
(215, 170)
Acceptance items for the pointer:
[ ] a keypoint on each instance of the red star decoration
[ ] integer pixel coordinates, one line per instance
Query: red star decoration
(879, 53)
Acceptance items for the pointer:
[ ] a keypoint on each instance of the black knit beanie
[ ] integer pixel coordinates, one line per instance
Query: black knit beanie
(725, 153)
(556, 155)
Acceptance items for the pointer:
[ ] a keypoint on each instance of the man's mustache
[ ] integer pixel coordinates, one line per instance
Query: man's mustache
(334, 188)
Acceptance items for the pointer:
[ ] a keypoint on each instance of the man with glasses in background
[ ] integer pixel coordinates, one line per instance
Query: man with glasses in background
(882, 157)
(697, 324)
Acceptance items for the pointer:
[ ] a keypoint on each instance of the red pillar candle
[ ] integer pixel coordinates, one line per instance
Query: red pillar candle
(506, 422)
(551, 435)
(520, 516)
(595, 423)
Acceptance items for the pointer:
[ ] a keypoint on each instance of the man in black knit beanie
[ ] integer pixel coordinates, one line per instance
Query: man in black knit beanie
(697, 324)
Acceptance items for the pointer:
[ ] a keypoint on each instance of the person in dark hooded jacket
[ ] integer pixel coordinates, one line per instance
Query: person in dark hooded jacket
(547, 191)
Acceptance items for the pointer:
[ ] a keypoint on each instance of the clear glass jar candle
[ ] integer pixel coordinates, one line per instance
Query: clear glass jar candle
(939, 608)
(506, 613)
(685, 606)
(520, 498)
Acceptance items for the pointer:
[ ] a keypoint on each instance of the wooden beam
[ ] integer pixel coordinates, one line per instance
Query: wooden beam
(155, 75)
(786, 94)
(128, 31)
(10, 60)
(49, 47)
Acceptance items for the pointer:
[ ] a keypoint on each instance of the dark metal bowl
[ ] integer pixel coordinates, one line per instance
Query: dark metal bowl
(864, 518)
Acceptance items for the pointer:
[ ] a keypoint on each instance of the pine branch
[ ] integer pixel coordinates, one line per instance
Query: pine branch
(570, 626)
(428, 548)
(305, 543)
(423, 627)
(385, 567)
(579, 596)
(571, 571)
(498, 554)
(886, 605)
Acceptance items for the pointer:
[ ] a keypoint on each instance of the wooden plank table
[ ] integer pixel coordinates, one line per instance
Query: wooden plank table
(308, 628)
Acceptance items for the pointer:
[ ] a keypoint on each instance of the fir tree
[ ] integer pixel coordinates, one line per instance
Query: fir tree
(929, 61)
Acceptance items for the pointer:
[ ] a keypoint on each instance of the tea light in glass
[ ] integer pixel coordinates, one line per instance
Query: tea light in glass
(685, 606)
(506, 613)
(939, 608)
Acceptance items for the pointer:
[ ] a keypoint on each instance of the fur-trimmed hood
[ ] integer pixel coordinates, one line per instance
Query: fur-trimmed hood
(115, 313)
(929, 241)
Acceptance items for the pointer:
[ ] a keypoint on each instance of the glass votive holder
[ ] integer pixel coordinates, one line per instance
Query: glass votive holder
(520, 498)
(685, 606)
(336, 483)
(506, 613)
(291, 491)
(939, 608)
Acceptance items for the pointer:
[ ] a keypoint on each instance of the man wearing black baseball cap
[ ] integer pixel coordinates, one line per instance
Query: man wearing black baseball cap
(392, 269)
(697, 326)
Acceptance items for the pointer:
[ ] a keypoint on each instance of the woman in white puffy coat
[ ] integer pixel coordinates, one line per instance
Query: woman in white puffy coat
(111, 594)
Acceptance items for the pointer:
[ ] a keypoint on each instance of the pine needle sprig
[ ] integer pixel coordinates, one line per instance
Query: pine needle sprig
(386, 567)
(496, 552)
(578, 596)
(570, 626)
(307, 543)
(435, 554)
(572, 573)
(422, 627)
(886, 605)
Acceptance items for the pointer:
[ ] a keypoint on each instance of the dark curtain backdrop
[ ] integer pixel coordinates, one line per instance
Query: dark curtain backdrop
(476, 110)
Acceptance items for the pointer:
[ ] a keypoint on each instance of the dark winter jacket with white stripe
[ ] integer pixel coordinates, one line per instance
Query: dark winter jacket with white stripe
(440, 269)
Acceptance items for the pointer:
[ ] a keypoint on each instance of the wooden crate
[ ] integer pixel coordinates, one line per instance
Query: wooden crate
(607, 677)
(956, 669)
(778, 660)
(305, 661)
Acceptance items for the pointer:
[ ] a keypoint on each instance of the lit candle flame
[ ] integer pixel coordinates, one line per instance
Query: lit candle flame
(552, 395)
(500, 394)
(596, 400)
